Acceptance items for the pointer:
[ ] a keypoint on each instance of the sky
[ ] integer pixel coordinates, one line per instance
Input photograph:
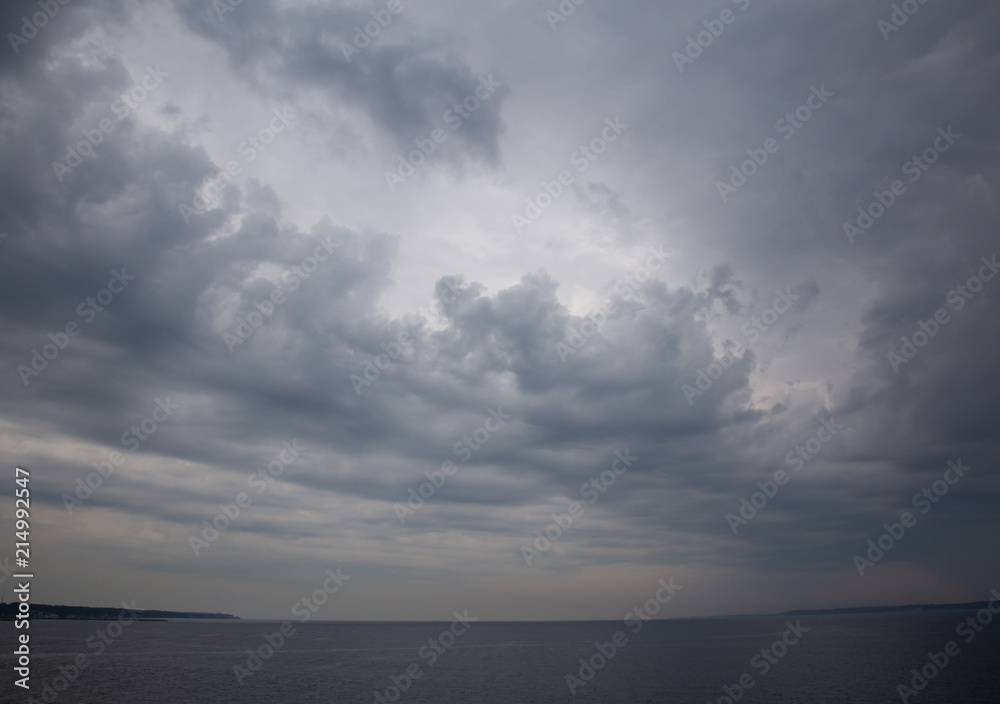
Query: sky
(514, 307)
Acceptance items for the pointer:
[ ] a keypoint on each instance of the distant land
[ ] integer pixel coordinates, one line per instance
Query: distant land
(50, 611)
(968, 606)
(44, 611)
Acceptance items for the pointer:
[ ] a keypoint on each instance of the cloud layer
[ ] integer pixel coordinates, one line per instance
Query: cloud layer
(300, 299)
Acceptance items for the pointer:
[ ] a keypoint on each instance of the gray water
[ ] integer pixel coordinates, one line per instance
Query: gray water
(854, 659)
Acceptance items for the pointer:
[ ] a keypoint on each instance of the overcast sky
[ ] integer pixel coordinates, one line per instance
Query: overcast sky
(627, 240)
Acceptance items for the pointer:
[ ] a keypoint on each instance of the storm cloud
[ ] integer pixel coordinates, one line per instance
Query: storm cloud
(792, 228)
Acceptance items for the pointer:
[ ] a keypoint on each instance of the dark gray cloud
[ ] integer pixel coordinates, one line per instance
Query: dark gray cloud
(402, 319)
(405, 85)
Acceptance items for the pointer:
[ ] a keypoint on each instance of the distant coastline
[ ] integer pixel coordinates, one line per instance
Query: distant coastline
(967, 606)
(90, 613)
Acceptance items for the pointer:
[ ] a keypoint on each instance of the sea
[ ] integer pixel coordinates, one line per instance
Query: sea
(839, 659)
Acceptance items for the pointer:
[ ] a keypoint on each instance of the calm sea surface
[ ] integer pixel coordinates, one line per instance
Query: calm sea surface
(845, 659)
